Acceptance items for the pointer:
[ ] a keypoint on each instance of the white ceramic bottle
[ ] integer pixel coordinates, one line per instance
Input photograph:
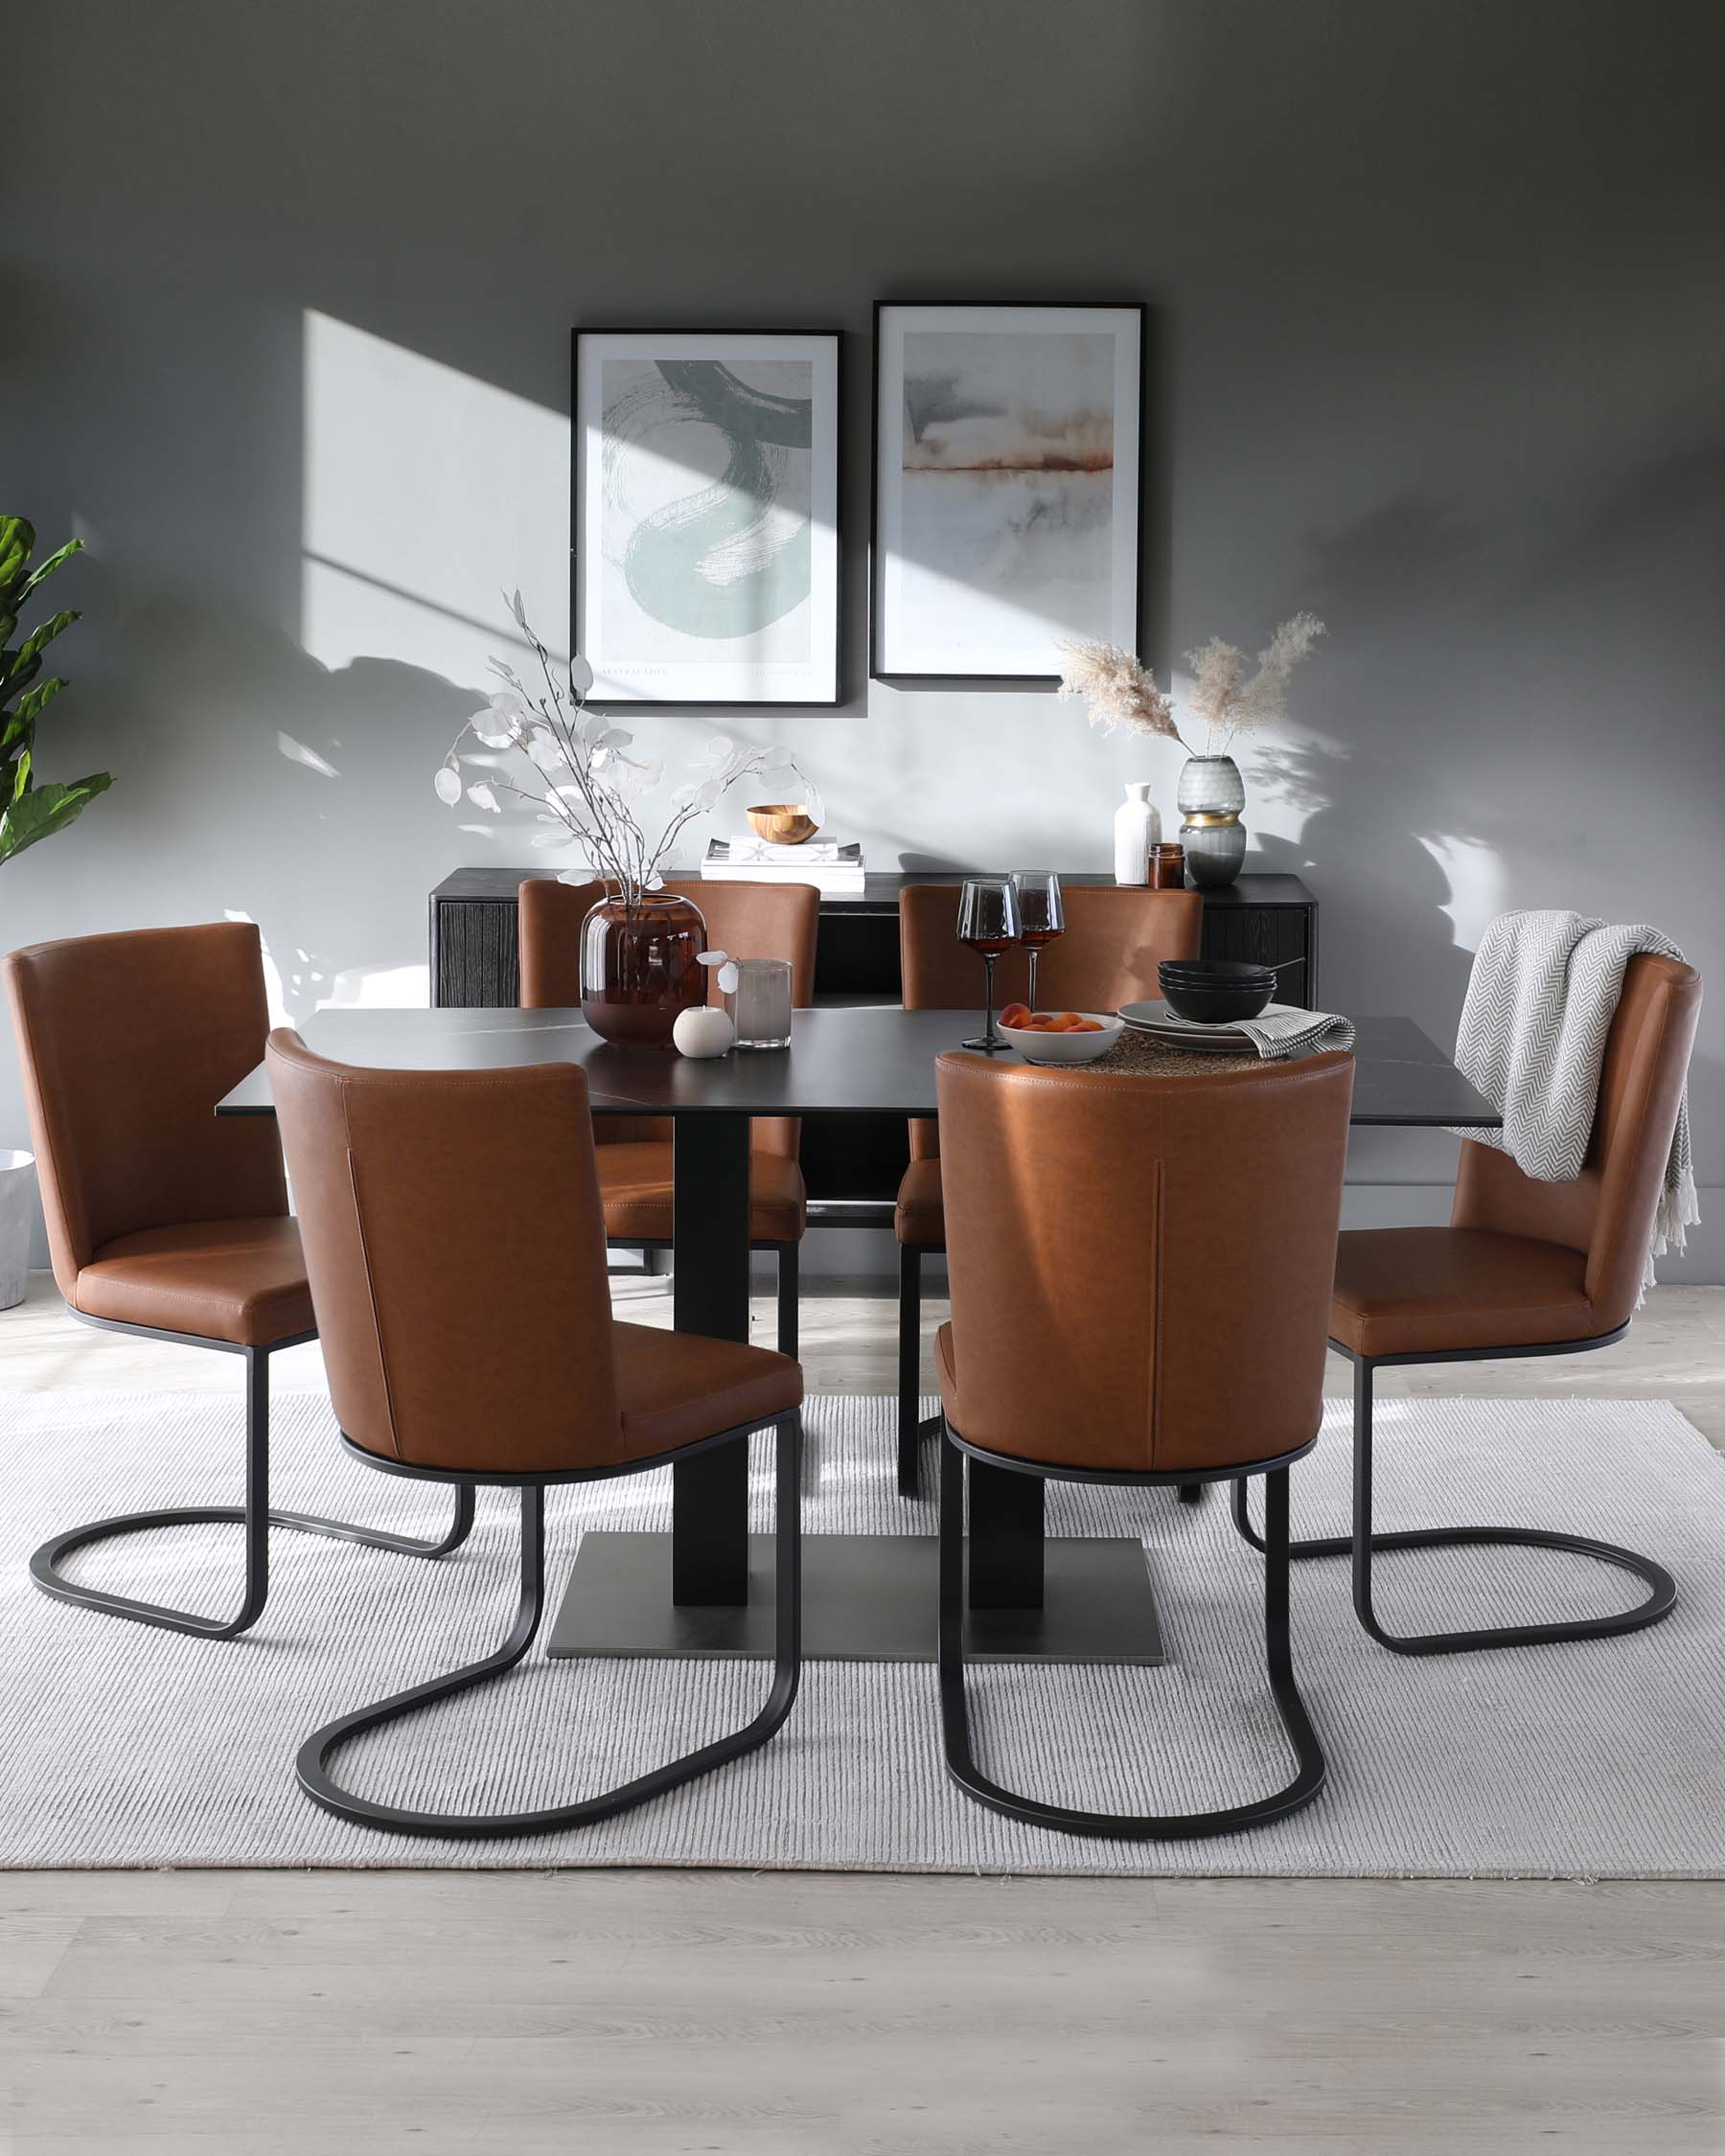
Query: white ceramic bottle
(1137, 827)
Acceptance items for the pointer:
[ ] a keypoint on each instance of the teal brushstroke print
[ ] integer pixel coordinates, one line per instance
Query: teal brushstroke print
(734, 554)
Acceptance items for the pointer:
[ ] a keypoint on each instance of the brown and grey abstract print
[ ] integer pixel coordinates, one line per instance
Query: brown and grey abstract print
(1007, 461)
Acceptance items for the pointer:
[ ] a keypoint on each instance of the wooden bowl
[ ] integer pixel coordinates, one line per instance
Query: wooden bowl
(781, 823)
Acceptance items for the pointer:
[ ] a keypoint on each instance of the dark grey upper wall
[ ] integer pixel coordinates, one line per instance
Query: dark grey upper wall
(1438, 316)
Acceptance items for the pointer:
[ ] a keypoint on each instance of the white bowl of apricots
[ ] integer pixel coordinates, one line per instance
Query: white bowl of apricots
(1060, 1035)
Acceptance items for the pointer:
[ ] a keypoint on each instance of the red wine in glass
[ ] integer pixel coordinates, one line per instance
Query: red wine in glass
(1042, 917)
(988, 924)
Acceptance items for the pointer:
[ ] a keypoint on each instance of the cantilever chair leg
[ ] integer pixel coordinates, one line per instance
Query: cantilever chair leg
(1363, 1544)
(788, 1272)
(255, 1515)
(316, 1753)
(960, 1761)
(912, 1431)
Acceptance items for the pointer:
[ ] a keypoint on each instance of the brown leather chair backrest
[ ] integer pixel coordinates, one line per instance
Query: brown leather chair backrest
(548, 925)
(747, 920)
(455, 1248)
(1608, 1211)
(1140, 1267)
(127, 1043)
(1114, 942)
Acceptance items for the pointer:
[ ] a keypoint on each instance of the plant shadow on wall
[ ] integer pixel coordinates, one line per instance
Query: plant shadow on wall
(1400, 829)
(1471, 687)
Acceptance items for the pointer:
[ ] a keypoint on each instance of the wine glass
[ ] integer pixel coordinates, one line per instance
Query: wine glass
(988, 921)
(1040, 915)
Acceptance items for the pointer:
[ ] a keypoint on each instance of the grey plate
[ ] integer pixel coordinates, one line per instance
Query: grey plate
(1154, 1019)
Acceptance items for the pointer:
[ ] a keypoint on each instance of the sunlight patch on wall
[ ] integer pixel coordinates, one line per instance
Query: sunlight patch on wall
(378, 988)
(1476, 881)
(426, 494)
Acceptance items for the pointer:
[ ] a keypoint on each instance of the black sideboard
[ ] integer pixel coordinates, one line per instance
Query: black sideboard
(475, 960)
(852, 1169)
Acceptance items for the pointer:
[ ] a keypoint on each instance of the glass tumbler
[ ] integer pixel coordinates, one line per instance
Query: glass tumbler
(760, 1003)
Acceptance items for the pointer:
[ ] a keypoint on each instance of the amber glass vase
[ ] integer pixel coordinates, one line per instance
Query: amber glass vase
(639, 966)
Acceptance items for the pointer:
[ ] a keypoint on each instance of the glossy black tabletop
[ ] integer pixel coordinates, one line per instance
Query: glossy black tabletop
(871, 1062)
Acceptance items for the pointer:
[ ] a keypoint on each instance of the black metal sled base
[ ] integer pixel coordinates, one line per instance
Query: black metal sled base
(318, 1749)
(1363, 1544)
(256, 1516)
(1153, 1826)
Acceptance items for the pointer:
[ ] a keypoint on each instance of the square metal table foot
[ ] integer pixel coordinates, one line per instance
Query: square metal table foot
(865, 1598)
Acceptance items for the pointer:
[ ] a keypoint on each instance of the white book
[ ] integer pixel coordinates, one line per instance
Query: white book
(831, 867)
(834, 878)
(764, 851)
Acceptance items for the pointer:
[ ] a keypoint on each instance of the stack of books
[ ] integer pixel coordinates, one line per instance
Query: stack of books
(832, 868)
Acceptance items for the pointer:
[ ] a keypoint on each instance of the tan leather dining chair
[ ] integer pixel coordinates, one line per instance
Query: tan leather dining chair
(1524, 1268)
(1140, 1272)
(459, 1280)
(164, 1220)
(748, 921)
(1114, 940)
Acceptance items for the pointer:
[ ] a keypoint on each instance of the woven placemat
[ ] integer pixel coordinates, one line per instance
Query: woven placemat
(1148, 1058)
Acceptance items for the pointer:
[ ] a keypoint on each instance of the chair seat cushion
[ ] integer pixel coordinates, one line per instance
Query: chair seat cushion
(920, 1215)
(673, 1388)
(1419, 1291)
(635, 1185)
(237, 1280)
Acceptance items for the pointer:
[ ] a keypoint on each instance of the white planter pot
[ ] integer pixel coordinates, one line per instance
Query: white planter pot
(18, 1212)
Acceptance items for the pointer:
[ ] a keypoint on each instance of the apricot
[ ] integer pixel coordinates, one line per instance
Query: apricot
(1015, 1014)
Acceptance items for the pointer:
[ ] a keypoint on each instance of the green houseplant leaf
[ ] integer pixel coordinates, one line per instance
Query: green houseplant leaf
(17, 544)
(45, 810)
(31, 812)
(47, 568)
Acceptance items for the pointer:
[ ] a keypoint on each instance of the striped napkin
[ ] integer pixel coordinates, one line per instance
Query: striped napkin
(1279, 1032)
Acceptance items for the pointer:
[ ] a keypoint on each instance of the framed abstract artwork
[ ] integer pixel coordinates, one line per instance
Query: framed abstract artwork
(704, 517)
(1008, 472)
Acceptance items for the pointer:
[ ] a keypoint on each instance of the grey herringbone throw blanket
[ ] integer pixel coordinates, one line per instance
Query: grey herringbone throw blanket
(1543, 993)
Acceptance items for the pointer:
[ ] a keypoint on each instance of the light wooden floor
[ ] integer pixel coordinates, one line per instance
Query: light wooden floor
(778, 2014)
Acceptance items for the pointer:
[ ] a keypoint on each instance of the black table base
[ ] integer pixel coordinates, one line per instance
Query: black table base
(865, 1598)
(709, 1294)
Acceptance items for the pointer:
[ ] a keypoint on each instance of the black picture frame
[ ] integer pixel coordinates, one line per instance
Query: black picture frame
(898, 676)
(598, 700)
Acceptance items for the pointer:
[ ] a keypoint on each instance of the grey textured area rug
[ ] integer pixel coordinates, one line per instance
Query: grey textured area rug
(123, 1746)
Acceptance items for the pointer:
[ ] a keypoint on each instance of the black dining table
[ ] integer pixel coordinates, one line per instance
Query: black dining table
(706, 1588)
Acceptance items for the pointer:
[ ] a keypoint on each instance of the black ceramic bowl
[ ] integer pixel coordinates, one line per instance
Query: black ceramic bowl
(1217, 972)
(1216, 991)
(1200, 977)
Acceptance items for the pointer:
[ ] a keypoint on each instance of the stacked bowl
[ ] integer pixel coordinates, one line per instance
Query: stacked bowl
(1216, 991)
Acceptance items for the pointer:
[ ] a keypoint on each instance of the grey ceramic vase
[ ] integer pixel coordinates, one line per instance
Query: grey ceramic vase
(1211, 795)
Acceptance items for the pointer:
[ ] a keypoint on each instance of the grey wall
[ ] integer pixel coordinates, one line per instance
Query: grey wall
(1438, 316)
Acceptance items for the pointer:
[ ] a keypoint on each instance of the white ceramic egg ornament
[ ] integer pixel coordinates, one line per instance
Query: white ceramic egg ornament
(707, 1031)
